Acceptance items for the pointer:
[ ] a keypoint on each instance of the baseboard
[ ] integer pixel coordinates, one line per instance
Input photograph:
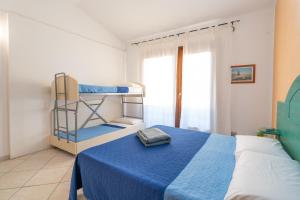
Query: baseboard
(4, 158)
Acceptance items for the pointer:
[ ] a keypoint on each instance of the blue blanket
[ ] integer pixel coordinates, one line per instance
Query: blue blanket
(96, 89)
(101, 89)
(125, 169)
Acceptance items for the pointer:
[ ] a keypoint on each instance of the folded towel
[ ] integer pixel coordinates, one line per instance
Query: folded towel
(153, 136)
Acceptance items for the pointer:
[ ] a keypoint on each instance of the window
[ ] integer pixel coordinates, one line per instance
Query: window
(196, 91)
(159, 79)
(181, 95)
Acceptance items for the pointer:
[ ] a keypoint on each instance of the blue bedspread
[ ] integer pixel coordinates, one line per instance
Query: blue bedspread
(124, 169)
(101, 89)
(91, 132)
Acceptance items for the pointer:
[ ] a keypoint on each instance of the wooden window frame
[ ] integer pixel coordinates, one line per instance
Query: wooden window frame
(179, 87)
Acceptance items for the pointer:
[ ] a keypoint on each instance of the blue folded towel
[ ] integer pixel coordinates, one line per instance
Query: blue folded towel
(153, 136)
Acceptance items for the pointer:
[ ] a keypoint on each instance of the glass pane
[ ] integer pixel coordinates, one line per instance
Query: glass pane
(196, 91)
(159, 80)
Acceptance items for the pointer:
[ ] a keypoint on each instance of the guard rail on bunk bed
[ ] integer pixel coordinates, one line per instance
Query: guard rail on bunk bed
(68, 94)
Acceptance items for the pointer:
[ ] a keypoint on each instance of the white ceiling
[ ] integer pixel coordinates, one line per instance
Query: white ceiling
(131, 19)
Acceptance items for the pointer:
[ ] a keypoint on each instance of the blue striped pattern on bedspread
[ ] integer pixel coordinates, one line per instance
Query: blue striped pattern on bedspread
(124, 169)
(208, 175)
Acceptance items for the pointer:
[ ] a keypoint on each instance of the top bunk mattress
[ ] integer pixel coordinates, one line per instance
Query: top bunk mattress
(101, 89)
(108, 89)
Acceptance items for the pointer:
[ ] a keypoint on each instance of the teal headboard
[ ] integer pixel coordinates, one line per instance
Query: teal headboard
(288, 121)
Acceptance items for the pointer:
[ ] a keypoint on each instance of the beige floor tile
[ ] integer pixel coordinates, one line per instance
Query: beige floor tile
(15, 179)
(33, 163)
(80, 195)
(24, 157)
(8, 165)
(41, 192)
(61, 160)
(6, 194)
(47, 176)
(48, 153)
(68, 175)
(61, 192)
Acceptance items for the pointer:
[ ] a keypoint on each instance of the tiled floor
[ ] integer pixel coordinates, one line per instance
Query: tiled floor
(44, 175)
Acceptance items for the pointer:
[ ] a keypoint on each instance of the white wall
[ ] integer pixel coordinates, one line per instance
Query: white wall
(47, 37)
(4, 144)
(252, 44)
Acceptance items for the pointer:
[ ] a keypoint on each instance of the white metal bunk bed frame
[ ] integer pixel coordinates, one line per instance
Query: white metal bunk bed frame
(58, 129)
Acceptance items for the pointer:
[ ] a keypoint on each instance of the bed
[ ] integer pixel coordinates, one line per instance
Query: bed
(68, 95)
(196, 165)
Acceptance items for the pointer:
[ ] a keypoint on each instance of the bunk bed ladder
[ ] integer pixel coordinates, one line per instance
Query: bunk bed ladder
(141, 103)
(58, 128)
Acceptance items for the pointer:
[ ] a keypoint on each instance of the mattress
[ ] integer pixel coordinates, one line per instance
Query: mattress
(91, 132)
(108, 89)
(194, 165)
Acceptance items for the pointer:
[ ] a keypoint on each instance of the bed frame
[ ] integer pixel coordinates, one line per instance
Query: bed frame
(288, 121)
(66, 96)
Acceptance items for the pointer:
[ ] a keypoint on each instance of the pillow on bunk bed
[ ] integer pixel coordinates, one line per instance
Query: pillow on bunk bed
(133, 87)
(126, 120)
(259, 144)
(130, 84)
(260, 176)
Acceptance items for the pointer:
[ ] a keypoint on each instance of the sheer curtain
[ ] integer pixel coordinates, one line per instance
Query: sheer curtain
(198, 78)
(159, 77)
(206, 90)
(223, 51)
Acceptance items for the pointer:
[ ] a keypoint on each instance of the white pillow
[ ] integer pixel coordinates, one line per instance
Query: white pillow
(135, 90)
(260, 176)
(127, 120)
(259, 144)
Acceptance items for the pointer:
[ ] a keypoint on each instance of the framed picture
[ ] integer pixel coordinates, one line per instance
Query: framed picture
(243, 74)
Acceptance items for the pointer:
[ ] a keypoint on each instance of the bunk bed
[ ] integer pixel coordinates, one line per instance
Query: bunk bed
(67, 95)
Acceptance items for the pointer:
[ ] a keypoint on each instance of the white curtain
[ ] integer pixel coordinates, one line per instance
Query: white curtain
(223, 49)
(159, 77)
(206, 89)
(198, 78)
(4, 141)
(206, 81)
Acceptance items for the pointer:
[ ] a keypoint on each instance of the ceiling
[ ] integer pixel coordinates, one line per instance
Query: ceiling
(131, 19)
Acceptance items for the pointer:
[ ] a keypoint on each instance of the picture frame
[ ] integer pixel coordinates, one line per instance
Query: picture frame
(243, 74)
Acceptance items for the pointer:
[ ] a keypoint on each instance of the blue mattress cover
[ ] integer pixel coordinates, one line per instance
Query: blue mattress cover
(91, 132)
(101, 89)
(124, 169)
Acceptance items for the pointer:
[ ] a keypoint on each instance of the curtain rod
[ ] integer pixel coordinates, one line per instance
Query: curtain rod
(193, 30)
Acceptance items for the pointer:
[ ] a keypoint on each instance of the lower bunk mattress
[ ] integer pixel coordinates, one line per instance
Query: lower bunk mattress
(91, 132)
(194, 165)
(93, 136)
